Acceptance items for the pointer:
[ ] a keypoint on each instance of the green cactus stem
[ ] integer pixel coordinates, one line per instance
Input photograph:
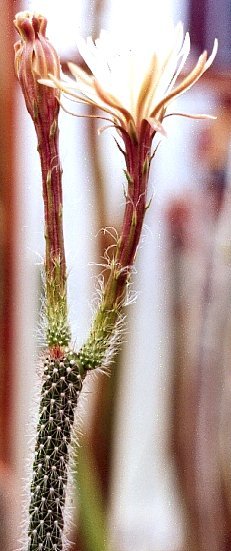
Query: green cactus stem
(62, 384)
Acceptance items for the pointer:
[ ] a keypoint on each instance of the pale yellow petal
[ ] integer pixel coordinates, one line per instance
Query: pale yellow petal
(186, 84)
(111, 101)
(79, 73)
(212, 56)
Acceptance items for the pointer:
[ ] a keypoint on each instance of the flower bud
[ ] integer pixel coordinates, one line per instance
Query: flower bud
(35, 58)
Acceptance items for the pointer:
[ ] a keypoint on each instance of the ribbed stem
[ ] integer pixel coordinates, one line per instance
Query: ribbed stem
(137, 156)
(62, 384)
(53, 202)
(58, 332)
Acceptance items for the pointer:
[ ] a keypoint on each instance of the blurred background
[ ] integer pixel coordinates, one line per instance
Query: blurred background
(154, 470)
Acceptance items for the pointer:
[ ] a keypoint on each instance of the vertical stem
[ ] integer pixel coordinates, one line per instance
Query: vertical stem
(61, 379)
(61, 387)
(137, 155)
(137, 163)
(58, 332)
(53, 204)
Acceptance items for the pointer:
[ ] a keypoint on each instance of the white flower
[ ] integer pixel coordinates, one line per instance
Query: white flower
(134, 83)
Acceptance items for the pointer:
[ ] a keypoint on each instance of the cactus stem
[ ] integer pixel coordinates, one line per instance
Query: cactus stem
(61, 387)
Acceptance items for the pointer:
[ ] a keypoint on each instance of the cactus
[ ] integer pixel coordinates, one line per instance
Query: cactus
(38, 70)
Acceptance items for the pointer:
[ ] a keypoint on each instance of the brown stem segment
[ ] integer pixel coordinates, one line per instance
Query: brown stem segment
(55, 263)
(138, 158)
(58, 332)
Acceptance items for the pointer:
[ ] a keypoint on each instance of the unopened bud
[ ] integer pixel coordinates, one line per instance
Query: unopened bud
(35, 58)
